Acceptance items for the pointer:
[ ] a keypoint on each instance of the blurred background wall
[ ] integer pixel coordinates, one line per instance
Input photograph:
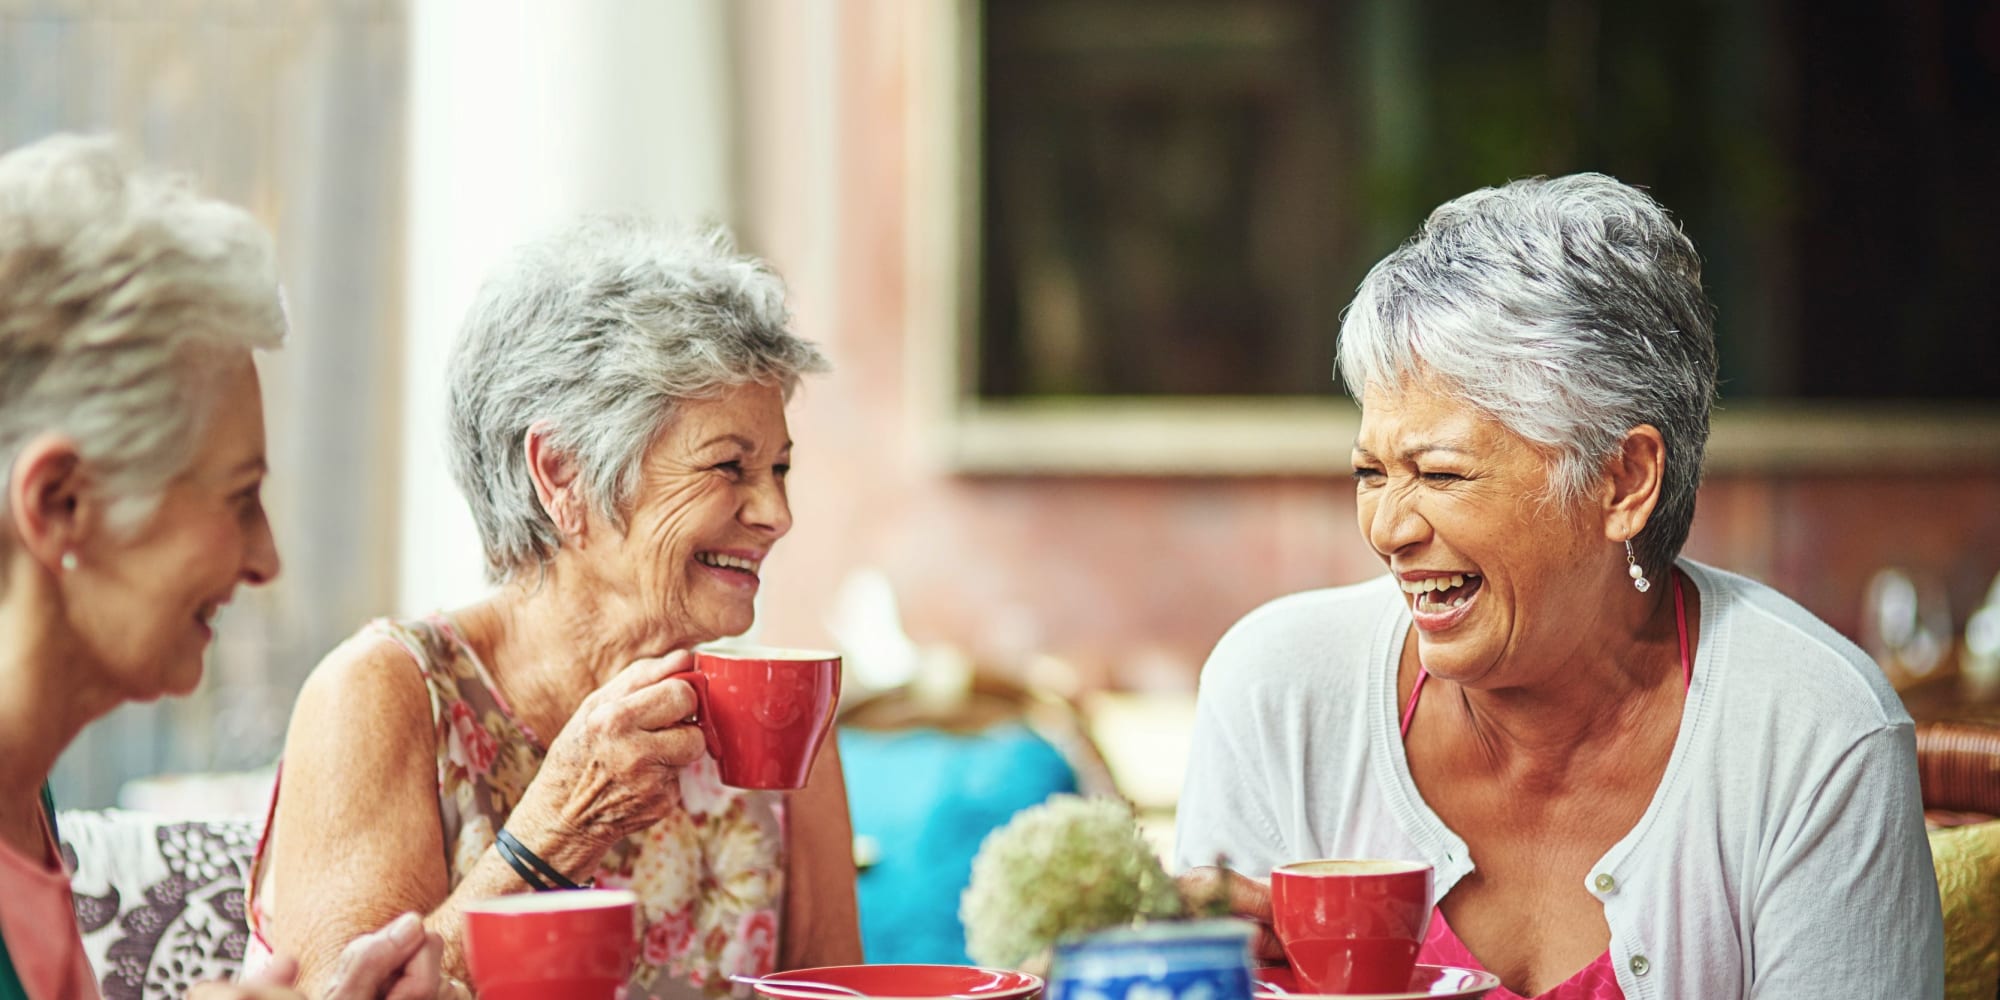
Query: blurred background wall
(1124, 230)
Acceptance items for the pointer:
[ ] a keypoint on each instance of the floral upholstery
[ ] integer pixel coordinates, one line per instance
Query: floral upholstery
(1967, 859)
(160, 901)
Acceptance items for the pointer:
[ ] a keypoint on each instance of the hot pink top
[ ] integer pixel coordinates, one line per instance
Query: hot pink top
(38, 924)
(1599, 979)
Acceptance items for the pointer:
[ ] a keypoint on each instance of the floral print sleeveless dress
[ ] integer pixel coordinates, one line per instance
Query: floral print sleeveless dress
(710, 878)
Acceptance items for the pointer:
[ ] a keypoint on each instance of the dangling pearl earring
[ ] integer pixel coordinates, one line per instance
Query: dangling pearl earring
(68, 561)
(1638, 575)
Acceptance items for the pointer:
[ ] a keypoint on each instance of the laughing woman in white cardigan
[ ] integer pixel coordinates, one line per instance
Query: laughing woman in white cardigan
(1636, 776)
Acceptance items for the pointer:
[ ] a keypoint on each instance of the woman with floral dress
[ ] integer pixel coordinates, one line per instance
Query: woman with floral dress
(617, 411)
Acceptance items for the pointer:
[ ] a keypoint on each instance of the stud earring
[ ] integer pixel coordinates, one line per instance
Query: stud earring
(68, 561)
(1633, 570)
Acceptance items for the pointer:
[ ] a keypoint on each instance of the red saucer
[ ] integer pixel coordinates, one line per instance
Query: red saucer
(896, 981)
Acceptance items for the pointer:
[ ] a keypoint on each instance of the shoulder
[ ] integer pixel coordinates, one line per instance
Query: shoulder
(1322, 634)
(368, 691)
(1774, 653)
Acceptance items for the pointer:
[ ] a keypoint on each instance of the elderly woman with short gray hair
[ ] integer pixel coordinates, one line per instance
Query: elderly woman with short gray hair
(1633, 774)
(132, 431)
(617, 414)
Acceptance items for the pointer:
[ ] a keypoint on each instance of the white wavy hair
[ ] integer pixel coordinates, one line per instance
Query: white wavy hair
(601, 331)
(1568, 309)
(122, 296)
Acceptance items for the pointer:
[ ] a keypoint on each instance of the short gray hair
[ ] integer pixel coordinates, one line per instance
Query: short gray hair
(1568, 309)
(121, 295)
(601, 330)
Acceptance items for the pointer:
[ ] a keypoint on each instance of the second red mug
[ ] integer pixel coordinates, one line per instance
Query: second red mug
(764, 712)
(1352, 926)
(574, 945)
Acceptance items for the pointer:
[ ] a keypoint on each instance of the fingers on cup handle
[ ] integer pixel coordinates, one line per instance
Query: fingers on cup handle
(653, 670)
(1208, 886)
(1266, 947)
(1249, 898)
(698, 683)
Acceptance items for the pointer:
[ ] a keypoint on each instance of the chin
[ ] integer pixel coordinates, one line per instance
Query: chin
(730, 627)
(179, 681)
(1453, 662)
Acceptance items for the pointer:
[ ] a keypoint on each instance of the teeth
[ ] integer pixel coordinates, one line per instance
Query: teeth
(727, 562)
(1434, 583)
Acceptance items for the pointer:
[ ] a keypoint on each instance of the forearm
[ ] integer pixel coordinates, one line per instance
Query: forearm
(821, 926)
(490, 877)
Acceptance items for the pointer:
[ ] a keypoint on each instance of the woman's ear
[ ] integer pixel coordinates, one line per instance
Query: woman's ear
(1632, 482)
(46, 499)
(554, 473)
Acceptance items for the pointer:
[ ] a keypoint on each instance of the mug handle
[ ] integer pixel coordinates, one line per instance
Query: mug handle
(709, 737)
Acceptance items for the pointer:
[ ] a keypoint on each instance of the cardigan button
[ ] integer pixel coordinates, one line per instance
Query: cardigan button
(1640, 966)
(1605, 883)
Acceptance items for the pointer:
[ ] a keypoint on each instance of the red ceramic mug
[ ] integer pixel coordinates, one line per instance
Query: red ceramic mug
(764, 712)
(572, 945)
(1352, 926)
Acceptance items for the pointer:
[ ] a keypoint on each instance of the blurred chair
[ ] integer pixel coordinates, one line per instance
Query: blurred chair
(1958, 766)
(159, 900)
(928, 778)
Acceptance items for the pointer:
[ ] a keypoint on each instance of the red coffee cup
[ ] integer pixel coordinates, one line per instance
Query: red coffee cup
(764, 712)
(1352, 926)
(571, 945)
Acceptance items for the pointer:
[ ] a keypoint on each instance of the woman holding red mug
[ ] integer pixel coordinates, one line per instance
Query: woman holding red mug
(617, 413)
(1633, 774)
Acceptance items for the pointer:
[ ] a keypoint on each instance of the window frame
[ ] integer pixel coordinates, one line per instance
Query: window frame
(1242, 435)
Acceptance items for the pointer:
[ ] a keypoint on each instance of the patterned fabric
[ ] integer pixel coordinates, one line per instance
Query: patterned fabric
(1596, 981)
(1967, 859)
(159, 902)
(710, 877)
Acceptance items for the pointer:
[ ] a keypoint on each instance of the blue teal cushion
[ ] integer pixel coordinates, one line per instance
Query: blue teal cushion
(924, 799)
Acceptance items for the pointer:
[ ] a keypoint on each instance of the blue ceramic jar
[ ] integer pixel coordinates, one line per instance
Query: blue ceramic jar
(1183, 960)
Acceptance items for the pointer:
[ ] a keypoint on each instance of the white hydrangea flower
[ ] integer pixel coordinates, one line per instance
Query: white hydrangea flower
(1067, 867)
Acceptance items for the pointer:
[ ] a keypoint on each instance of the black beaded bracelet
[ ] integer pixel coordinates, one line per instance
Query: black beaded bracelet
(539, 874)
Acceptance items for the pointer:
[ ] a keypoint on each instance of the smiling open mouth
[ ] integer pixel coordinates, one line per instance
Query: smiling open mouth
(722, 561)
(1439, 594)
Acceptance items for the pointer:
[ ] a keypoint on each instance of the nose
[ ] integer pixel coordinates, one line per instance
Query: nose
(767, 508)
(1390, 519)
(260, 554)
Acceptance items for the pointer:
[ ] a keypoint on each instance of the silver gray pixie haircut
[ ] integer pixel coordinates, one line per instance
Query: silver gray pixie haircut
(122, 294)
(1568, 309)
(601, 330)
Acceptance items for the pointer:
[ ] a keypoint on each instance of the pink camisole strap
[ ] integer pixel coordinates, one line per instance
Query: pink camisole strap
(1599, 979)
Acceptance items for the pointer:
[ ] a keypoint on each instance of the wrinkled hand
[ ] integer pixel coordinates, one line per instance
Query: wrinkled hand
(615, 767)
(274, 983)
(399, 962)
(1244, 896)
